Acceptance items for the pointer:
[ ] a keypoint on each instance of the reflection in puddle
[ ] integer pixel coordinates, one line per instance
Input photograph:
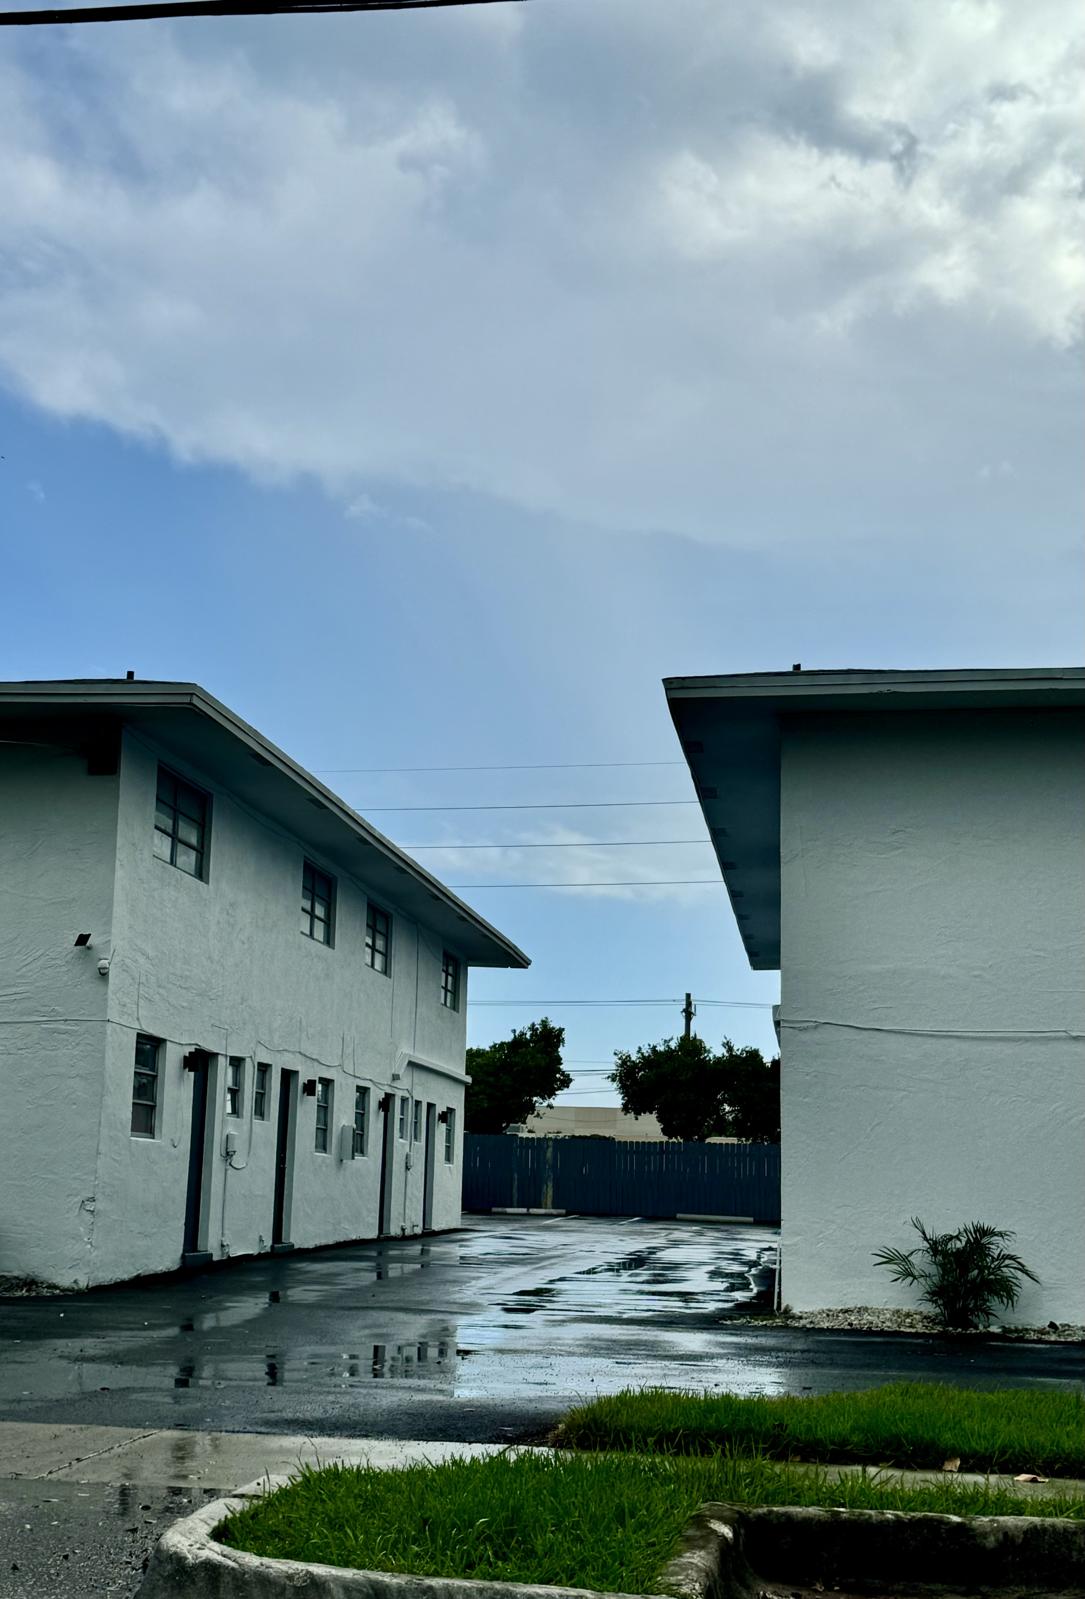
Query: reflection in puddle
(185, 1374)
(403, 1360)
(272, 1372)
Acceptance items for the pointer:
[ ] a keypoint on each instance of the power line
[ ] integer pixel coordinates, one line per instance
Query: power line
(634, 882)
(217, 8)
(538, 766)
(548, 805)
(737, 1004)
(590, 843)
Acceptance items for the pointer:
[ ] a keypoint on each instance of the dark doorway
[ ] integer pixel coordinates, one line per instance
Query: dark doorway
(284, 1147)
(430, 1159)
(388, 1147)
(199, 1065)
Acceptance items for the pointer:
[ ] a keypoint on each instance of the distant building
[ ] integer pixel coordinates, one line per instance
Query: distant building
(233, 1013)
(593, 1121)
(908, 848)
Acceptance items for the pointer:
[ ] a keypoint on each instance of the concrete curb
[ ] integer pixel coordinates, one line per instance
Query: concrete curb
(727, 1552)
(188, 1564)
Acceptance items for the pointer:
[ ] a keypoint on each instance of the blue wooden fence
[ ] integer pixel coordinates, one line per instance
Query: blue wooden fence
(608, 1177)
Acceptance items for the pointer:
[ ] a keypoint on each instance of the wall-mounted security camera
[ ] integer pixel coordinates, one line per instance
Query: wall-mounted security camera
(103, 968)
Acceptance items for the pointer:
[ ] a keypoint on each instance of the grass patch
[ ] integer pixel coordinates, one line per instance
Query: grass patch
(609, 1522)
(913, 1425)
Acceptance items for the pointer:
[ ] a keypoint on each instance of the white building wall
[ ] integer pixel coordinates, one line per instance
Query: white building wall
(933, 982)
(219, 965)
(57, 827)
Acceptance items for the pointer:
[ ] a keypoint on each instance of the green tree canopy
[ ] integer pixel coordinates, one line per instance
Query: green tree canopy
(512, 1078)
(697, 1093)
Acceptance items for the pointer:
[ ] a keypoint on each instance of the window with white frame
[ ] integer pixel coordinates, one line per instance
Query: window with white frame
(261, 1091)
(450, 1135)
(317, 904)
(145, 1086)
(323, 1114)
(235, 1085)
(180, 824)
(378, 939)
(450, 981)
(361, 1119)
(416, 1121)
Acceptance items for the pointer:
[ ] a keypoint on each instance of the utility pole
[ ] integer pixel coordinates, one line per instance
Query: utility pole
(689, 1011)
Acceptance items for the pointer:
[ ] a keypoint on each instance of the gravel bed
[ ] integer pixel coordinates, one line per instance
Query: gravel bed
(871, 1318)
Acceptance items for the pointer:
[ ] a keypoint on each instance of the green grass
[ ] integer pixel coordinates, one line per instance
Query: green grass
(608, 1522)
(914, 1425)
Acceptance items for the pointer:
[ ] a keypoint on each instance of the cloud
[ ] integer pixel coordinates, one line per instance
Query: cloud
(648, 266)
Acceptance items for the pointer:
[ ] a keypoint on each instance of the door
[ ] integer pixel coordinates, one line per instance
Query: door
(388, 1148)
(198, 1064)
(284, 1147)
(429, 1168)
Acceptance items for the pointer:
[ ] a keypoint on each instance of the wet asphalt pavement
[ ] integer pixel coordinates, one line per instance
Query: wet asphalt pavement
(486, 1334)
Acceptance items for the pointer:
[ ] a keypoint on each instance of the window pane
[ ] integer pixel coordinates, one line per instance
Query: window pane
(188, 860)
(163, 845)
(189, 832)
(167, 787)
(143, 1121)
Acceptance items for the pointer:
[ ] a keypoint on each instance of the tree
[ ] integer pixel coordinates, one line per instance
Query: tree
(512, 1078)
(696, 1093)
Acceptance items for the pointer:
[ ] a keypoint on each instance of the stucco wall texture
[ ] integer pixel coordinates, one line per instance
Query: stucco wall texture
(933, 996)
(218, 965)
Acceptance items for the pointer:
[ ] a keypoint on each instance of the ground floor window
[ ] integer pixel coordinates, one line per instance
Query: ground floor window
(404, 1110)
(260, 1091)
(416, 1122)
(361, 1119)
(145, 1086)
(235, 1084)
(450, 1136)
(323, 1113)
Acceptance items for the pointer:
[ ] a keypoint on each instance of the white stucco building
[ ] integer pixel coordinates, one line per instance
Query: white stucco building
(232, 1014)
(908, 848)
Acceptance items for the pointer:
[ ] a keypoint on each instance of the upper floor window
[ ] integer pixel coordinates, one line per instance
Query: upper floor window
(235, 1084)
(317, 904)
(260, 1091)
(450, 981)
(378, 938)
(361, 1119)
(145, 1087)
(180, 824)
(323, 1113)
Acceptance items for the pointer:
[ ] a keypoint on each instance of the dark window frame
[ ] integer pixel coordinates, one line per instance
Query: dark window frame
(235, 1086)
(404, 1118)
(450, 980)
(317, 887)
(416, 1121)
(179, 805)
(261, 1091)
(325, 1091)
(450, 1136)
(378, 939)
(360, 1145)
(146, 1076)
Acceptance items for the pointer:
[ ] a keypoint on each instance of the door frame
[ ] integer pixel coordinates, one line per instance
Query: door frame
(386, 1190)
(286, 1125)
(429, 1167)
(200, 1065)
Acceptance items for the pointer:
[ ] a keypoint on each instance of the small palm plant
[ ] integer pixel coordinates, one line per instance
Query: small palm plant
(961, 1275)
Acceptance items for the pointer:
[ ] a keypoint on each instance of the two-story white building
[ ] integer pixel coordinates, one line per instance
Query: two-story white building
(232, 1014)
(908, 848)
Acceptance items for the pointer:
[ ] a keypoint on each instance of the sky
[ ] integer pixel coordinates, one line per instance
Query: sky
(430, 386)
